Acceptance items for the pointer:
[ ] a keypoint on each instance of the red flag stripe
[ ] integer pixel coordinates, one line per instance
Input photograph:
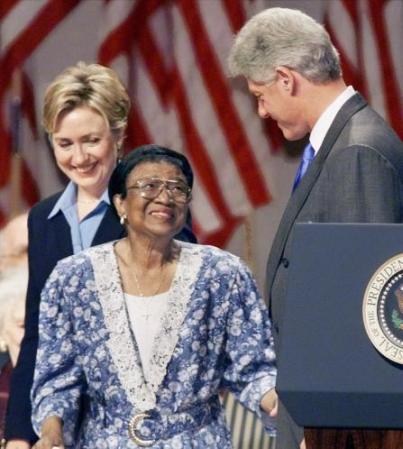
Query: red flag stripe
(138, 133)
(6, 6)
(236, 14)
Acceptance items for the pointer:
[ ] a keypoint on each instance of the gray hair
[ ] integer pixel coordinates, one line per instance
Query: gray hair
(284, 37)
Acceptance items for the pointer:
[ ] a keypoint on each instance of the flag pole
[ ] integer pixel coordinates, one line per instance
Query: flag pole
(15, 131)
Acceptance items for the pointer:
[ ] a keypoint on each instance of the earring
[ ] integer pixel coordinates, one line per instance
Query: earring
(123, 218)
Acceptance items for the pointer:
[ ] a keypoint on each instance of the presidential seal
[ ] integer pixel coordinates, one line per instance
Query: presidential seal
(383, 309)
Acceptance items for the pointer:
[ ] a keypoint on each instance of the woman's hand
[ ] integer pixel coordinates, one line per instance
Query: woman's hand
(51, 435)
(269, 403)
(18, 444)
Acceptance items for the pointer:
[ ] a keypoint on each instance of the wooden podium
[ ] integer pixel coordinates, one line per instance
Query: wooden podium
(331, 377)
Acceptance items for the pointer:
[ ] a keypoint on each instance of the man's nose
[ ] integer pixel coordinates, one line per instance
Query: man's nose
(262, 111)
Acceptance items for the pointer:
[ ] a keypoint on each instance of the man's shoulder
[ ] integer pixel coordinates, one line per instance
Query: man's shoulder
(366, 128)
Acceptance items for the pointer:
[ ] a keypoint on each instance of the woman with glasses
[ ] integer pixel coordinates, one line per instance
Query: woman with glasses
(149, 327)
(85, 115)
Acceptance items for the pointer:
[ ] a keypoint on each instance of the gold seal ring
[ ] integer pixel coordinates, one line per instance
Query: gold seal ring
(133, 424)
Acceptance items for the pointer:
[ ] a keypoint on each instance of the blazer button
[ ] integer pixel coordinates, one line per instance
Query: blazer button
(285, 262)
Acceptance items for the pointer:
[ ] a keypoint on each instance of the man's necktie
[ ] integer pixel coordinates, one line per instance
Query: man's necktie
(307, 158)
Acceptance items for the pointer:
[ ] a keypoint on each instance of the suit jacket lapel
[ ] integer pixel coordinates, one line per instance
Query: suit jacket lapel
(298, 198)
(58, 227)
(109, 229)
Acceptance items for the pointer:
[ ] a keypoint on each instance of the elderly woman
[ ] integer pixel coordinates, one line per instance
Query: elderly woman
(85, 115)
(149, 327)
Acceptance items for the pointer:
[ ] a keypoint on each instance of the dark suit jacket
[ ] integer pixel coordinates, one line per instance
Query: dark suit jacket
(357, 176)
(49, 241)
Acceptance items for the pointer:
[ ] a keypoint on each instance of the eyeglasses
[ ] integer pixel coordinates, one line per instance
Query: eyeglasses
(150, 188)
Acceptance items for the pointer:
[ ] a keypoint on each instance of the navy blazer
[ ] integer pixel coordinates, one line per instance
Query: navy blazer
(49, 242)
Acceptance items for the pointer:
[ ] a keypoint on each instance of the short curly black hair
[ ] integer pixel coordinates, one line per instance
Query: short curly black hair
(146, 153)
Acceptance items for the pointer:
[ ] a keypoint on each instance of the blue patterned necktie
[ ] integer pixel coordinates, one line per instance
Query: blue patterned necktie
(307, 157)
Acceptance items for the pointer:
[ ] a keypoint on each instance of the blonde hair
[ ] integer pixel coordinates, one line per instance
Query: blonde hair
(92, 85)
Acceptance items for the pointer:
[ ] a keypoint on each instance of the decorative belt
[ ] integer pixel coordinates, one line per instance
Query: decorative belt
(146, 428)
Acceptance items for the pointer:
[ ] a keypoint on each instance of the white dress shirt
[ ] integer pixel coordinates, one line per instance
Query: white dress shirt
(325, 121)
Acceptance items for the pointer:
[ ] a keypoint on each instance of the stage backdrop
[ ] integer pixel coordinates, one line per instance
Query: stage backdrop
(171, 54)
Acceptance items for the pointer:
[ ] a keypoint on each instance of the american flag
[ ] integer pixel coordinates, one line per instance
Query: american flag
(369, 36)
(172, 56)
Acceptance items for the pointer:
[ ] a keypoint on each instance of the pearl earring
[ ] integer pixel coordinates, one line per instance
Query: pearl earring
(123, 218)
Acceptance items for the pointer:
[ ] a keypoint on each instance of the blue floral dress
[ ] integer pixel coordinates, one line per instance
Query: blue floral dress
(215, 335)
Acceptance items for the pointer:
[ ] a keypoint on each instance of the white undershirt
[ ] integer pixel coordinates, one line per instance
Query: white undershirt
(327, 117)
(145, 313)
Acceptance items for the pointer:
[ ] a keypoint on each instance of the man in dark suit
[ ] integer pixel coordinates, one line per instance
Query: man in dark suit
(352, 169)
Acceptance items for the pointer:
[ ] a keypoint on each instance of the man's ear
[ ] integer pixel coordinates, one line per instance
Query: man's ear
(286, 79)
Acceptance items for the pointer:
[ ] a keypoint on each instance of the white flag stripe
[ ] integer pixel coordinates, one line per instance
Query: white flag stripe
(161, 28)
(121, 65)
(218, 28)
(205, 119)
(203, 210)
(343, 30)
(17, 20)
(161, 121)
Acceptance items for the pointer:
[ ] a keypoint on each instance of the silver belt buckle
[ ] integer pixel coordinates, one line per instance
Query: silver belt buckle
(133, 424)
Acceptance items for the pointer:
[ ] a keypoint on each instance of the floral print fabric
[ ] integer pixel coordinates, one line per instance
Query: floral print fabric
(215, 335)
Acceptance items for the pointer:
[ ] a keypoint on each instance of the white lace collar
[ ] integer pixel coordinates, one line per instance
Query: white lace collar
(121, 343)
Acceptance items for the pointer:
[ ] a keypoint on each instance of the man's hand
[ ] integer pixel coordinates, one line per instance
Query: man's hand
(269, 403)
(18, 444)
(52, 434)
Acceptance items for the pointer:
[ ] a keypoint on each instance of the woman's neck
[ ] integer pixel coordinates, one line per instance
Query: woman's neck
(148, 253)
(87, 202)
(85, 196)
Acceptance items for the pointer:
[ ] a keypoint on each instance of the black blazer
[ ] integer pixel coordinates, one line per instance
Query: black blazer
(357, 176)
(49, 242)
